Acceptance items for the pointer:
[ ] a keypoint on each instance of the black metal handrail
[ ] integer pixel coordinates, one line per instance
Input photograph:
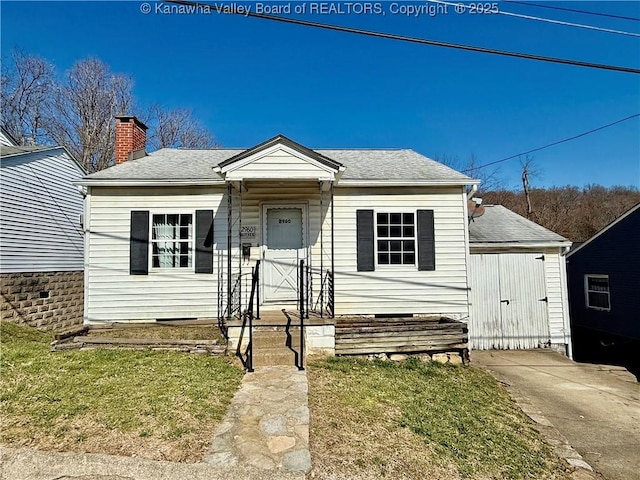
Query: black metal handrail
(324, 299)
(302, 276)
(330, 293)
(248, 316)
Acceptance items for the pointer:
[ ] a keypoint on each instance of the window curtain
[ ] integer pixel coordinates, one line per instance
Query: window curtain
(164, 232)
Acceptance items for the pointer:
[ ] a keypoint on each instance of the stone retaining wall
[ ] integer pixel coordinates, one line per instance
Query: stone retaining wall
(47, 300)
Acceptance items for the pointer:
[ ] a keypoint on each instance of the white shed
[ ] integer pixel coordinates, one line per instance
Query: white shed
(518, 284)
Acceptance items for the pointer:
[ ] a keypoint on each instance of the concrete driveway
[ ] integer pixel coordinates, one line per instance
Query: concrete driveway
(595, 407)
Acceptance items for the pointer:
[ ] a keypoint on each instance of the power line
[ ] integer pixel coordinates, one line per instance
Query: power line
(542, 19)
(554, 143)
(421, 41)
(552, 7)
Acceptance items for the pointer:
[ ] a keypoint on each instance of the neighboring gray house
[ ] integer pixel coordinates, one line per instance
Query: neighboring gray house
(41, 239)
(518, 283)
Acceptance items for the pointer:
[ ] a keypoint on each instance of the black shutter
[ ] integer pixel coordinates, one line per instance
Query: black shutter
(139, 243)
(365, 247)
(204, 241)
(426, 241)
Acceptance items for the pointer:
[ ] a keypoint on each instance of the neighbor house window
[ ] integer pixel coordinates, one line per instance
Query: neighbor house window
(597, 291)
(396, 238)
(171, 240)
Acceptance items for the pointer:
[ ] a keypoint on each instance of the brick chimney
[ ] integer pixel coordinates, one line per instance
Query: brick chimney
(131, 138)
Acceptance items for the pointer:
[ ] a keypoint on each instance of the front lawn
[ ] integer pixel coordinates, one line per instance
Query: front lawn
(419, 420)
(158, 405)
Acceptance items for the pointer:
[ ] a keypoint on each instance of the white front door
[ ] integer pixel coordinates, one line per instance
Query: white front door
(283, 249)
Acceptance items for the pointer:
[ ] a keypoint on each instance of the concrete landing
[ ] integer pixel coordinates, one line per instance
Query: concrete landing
(267, 423)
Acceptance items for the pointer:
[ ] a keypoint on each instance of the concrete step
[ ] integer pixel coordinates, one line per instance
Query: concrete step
(275, 357)
(274, 339)
(269, 343)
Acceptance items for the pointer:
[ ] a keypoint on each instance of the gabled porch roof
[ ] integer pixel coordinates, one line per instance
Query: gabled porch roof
(280, 158)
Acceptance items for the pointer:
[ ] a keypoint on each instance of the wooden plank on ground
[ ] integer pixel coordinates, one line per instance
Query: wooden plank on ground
(141, 341)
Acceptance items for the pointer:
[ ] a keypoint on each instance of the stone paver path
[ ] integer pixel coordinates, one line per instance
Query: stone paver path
(267, 423)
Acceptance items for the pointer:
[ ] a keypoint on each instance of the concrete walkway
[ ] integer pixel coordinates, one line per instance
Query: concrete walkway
(595, 407)
(264, 436)
(267, 423)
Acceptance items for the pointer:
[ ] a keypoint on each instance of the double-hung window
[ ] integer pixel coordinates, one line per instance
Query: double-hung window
(597, 292)
(172, 240)
(396, 238)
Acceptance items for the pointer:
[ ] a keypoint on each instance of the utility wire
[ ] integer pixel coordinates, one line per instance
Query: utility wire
(554, 143)
(553, 7)
(421, 41)
(541, 19)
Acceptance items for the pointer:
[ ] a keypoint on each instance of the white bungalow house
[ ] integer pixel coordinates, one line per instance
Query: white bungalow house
(176, 234)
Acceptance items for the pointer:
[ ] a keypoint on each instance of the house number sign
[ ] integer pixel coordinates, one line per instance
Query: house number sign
(248, 231)
(284, 220)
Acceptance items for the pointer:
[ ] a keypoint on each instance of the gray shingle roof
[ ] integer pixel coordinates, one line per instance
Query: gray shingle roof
(179, 164)
(501, 225)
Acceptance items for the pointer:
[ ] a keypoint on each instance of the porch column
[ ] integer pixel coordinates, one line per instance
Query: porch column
(229, 226)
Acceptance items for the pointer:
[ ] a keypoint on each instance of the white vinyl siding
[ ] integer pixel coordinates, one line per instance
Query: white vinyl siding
(401, 289)
(557, 296)
(40, 218)
(112, 294)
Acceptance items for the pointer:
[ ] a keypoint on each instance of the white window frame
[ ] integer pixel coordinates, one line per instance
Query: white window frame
(587, 291)
(191, 240)
(376, 237)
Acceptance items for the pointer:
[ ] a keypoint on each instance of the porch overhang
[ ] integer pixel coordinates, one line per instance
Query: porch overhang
(280, 159)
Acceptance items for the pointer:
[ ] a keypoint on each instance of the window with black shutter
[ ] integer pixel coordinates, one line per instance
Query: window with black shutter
(395, 238)
(173, 240)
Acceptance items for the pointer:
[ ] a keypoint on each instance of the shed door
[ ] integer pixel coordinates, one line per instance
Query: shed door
(284, 240)
(508, 301)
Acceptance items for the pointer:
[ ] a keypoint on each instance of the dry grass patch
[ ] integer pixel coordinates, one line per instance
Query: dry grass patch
(164, 332)
(158, 405)
(415, 420)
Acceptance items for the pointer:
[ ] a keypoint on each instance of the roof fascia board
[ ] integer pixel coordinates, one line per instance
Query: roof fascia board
(281, 140)
(523, 245)
(612, 224)
(405, 183)
(147, 183)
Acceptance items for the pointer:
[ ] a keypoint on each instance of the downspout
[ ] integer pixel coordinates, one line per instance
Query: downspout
(240, 247)
(333, 268)
(565, 302)
(321, 255)
(474, 189)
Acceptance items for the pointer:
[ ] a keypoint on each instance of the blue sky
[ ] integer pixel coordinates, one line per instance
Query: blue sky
(249, 79)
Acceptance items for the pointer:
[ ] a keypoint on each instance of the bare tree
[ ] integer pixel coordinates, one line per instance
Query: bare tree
(83, 111)
(490, 179)
(79, 111)
(528, 171)
(25, 88)
(177, 129)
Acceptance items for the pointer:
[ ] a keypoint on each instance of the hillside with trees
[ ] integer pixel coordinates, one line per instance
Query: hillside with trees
(573, 212)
